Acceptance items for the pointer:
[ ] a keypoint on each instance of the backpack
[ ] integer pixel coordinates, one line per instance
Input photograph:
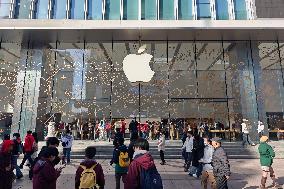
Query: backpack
(88, 178)
(150, 179)
(123, 159)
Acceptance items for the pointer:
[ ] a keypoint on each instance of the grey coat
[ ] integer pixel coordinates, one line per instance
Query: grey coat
(220, 162)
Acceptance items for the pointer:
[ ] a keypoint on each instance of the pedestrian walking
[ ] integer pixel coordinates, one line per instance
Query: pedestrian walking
(197, 154)
(188, 146)
(90, 173)
(28, 149)
(220, 163)
(44, 173)
(267, 155)
(6, 168)
(260, 129)
(207, 177)
(133, 139)
(17, 151)
(67, 142)
(121, 160)
(142, 172)
(245, 132)
(161, 147)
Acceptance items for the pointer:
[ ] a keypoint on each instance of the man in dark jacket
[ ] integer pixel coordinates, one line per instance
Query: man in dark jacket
(17, 150)
(28, 149)
(142, 160)
(44, 173)
(220, 163)
(88, 163)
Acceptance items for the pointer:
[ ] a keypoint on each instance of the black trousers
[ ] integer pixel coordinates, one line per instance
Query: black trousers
(118, 176)
(27, 156)
(162, 156)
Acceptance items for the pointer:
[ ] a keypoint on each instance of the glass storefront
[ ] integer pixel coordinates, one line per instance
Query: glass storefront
(211, 81)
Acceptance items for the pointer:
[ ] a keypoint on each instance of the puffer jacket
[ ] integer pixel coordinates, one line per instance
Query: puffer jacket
(266, 153)
(220, 163)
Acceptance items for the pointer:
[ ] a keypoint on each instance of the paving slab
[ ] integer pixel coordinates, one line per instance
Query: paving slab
(246, 174)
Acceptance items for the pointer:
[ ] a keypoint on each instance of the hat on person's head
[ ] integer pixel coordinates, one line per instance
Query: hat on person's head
(264, 139)
(216, 139)
(245, 120)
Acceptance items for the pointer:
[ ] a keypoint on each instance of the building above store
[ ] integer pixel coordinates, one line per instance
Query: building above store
(128, 9)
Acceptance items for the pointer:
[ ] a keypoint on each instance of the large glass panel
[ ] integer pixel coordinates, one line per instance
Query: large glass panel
(42, 9)
(185, 9)
(167, 11)
(203, 9)
(5, 8)
(112, 10)
(22, 9)
(77, 9)
(241, 86)
(269, 82)
(240, 9)
(130, 9)
(59, 9)
(148, 10)
(10, 54)
(95, 11)
(98, 80)
(222, 12)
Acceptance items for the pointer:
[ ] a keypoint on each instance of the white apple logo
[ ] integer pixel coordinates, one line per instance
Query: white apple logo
(136, 66)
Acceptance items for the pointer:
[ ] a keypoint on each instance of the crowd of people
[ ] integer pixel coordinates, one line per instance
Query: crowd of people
(205, 158)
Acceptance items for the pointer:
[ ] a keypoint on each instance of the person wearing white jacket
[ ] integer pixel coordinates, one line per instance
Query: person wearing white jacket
(188, 146)
(161, 147)
(67, 142)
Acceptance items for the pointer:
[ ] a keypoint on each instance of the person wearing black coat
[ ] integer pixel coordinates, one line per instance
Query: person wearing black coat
(197, 154)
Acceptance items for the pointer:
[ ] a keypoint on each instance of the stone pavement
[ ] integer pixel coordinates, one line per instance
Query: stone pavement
(245, 175)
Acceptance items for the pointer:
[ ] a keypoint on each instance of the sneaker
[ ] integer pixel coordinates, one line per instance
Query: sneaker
(163, 163)
(195, 175)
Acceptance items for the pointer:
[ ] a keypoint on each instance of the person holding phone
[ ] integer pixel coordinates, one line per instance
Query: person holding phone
(44, 173)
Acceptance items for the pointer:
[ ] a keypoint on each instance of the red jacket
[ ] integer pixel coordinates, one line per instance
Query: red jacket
(100, 178)
(44, 175)
(145, 161)
(29, 142)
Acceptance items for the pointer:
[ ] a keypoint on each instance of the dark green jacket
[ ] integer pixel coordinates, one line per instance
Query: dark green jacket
(266, 153)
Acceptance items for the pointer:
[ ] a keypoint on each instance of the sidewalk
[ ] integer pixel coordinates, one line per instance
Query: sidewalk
(245, 175)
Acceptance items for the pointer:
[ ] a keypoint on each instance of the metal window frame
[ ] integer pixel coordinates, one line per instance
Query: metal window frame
(176, 9)
(194, 10)
(158, 9)
(103, 9)
(231, 9)
(32, 9)
(213, 9)
(139, 9)
(121, 9)
(12, 9)
(86, 5)
(68, 9)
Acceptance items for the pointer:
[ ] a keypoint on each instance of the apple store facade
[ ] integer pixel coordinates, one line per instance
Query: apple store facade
(210, 62)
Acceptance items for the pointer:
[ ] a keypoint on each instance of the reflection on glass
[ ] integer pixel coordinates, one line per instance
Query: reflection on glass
(59, 9)
(222, 12)
(22, 9)
(5, 8)
(148, 10)
(167, 10)
(77, 9)
(185, 9)
(112, 10)
(240, 9)
(130, 9)
(42, 9)
(94, 10)
(203, 9)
